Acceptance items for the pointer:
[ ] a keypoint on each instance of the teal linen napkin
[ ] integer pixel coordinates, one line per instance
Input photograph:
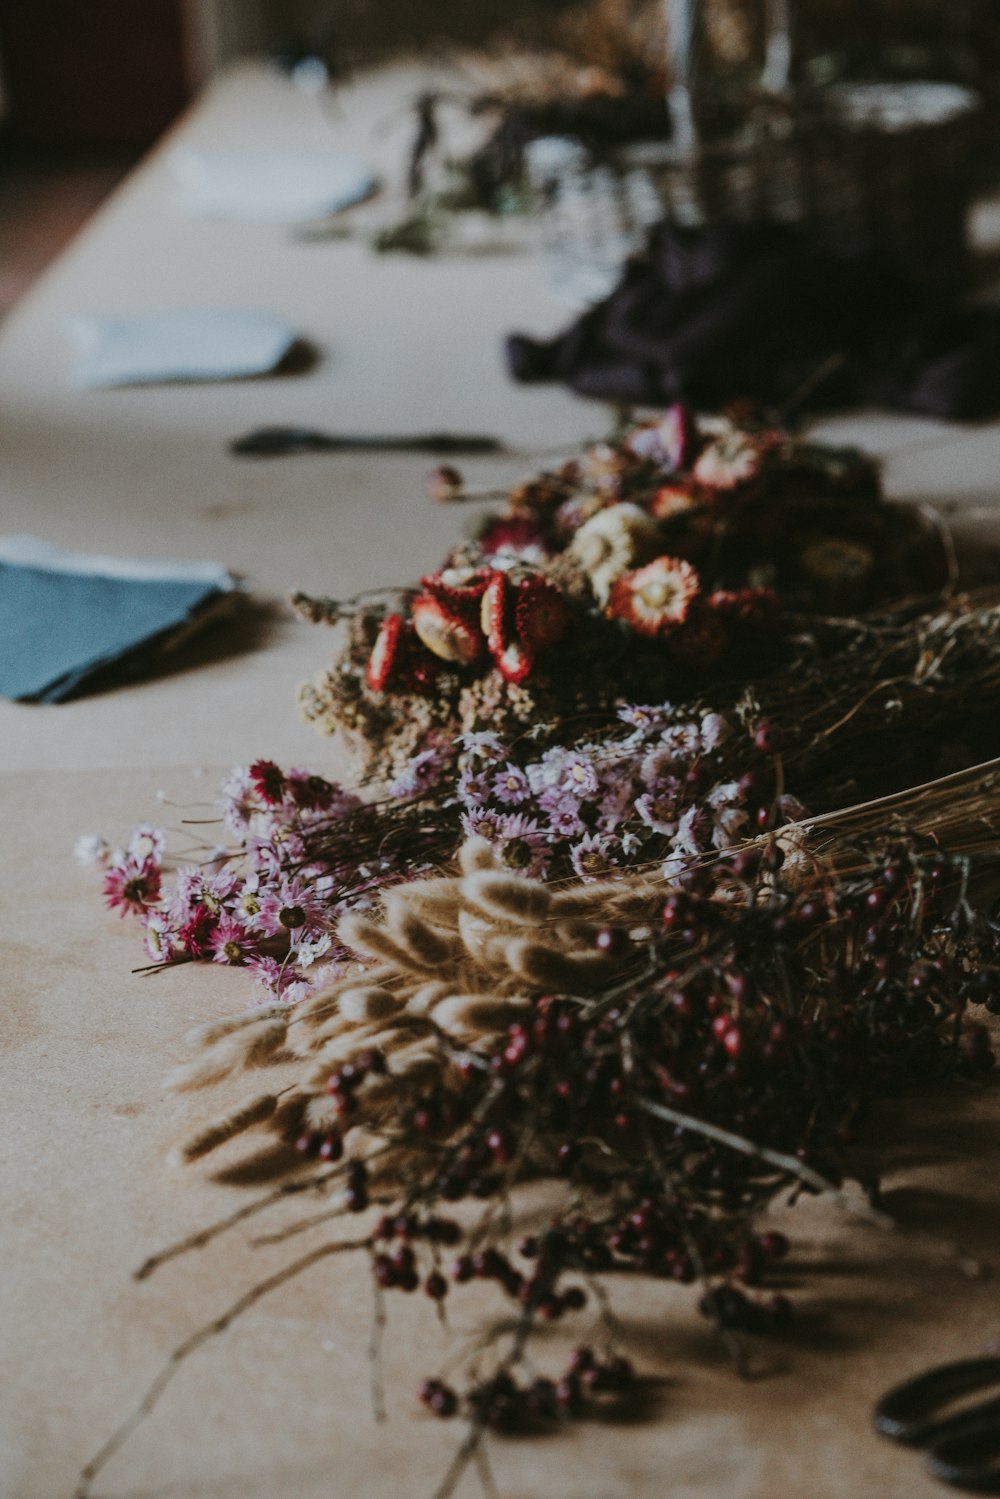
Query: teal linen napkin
(72, 623)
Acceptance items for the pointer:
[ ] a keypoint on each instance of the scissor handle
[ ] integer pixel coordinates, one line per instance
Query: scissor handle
(963, 1456)
(906, 1412)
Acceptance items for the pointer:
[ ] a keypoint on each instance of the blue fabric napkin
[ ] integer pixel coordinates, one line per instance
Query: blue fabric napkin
(71, 623)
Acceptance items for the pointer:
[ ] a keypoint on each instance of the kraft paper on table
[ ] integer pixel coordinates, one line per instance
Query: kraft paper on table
(280, 1404)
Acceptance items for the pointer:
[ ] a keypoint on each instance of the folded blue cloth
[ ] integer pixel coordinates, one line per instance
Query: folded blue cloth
(71, 623)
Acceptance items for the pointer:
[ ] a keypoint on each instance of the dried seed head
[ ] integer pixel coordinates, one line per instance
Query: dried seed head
(225, 1127)
(476, 853)
(263, 1041)
(317, 1009)
(216, 1030)
(416, 1062)
(505, 896)
(222, 1060)
(423, 999)
(550, 968)
(473, 1017)
(368, 937)
(359, 1005)
(426, 946)
(437, 901)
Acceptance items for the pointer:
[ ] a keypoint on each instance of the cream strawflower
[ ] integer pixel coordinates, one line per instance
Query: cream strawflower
(610, 543)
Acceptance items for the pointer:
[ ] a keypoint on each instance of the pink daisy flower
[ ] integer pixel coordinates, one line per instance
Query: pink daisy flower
(659, 812)
(238, 801)
(147, 843)
(293, 907)
(230, 942)
(161, 938)
(131, 887)
(268, 781)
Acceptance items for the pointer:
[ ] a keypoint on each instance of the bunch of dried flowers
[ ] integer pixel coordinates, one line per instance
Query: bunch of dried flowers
(672, 1057)
(577, 927)
(677, 556)
(651, 784)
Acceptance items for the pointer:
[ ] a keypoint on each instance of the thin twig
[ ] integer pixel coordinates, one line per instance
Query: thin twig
(183, 1350)
(205, 1236)
(777, 1158)
(379, 1320)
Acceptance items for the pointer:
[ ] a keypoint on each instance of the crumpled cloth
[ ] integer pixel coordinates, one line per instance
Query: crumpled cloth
(762, 313)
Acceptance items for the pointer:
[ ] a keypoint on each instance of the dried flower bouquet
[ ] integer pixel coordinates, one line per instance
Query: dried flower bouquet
(680, 555)
(616, 911)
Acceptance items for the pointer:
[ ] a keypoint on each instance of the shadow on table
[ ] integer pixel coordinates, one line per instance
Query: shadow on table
(249, 625)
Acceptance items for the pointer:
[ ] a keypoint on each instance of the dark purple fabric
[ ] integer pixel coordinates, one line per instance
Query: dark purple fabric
(714, 316)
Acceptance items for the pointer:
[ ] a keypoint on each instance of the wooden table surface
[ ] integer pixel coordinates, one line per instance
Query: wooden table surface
(279, 1406)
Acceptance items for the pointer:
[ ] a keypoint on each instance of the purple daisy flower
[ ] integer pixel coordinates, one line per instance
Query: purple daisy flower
(483, 743)
(644, 715)
(161, 938)
(658, 812)
(185, 895)
(683, 741)
(473, 787)
(714, 730)
(658, 772)
(729, 827)
(510, 785)
(523, 844)
(591, 857)
(578, 776)
(481, 822)
(564, 819)
(693, 831)
(420, 773)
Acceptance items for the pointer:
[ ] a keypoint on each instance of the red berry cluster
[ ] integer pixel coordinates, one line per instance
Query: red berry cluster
(763, 1006)
(502, 1404)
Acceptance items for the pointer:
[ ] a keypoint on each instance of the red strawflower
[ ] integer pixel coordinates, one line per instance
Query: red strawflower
(540, 613)
(514, 662)
(702, 639)
(756, 607)
(497, 611)
(459, 589)
(385, 653)
(654, 599)
(444, 631)
(510, 533)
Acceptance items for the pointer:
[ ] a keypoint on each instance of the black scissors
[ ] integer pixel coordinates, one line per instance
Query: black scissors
(961, 1449)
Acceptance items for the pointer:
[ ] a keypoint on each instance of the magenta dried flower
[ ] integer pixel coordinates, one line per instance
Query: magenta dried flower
(132, 888)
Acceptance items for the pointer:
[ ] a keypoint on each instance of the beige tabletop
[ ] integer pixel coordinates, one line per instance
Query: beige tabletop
(279, 1406)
